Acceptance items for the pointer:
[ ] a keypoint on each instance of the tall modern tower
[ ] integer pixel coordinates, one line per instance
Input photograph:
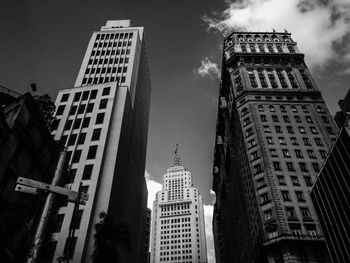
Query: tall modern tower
(273, 133)
(103, 122)
(178, 229)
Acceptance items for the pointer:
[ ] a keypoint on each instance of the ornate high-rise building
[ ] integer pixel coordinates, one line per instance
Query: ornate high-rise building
(178, 229)
(273, 134)
(103, 122)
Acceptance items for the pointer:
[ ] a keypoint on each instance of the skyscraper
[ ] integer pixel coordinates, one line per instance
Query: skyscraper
(273, 133)
(103, 122)
(178, 229)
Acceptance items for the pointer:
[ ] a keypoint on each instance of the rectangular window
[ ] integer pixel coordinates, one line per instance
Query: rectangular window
(77, 96)
(75, 223)
(76, 156)
(298, 154)
(73, 110)
(77, 124)
(72, 139)
(257, 169)
(286, 153)
(309, 119)
(65, 97)
(96, 135)
(313, 130)
(316, 167)
(267, 129)
(81, 139)
(297, 119)
(81, 109)
(89, 108)
(294, 141)
(306, 141)
(103, 104)
(93, 94)
(308, 180)
(323, 154)
(278, 129)
(305, 213)
(286, 196)
(282, 141)
(92, 152)
(254, 156)
(87, 171)
(300, 196)
(85, 95)
(277, 166)
(86, 122)
(325, 119)
(106, 91)
(273, 153)
(302, 129)
(290, 212)
(286, 118)
(60, 110)
(290, 166)
(58, 223)
(311, 154)
(249, 132)
(251, 143)
(275, 118)
(295, 180)
(99, 118)
(318, 142)
(264, 198)
(330, 130)
(68, 124)
(281, 180)
(268, 215)
(290, 129)
(303, 167)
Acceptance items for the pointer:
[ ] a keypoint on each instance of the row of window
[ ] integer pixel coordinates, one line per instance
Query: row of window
(289, 165)
(260, 48)
(283, 109)
(104, 36)
(286, 119)
(109, 58)
(291, 213)
(104, 44)
(85, 95)
(265, 198)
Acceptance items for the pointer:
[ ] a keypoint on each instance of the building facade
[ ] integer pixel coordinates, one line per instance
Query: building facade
(331, 193)
(103, 122)
(178, 228)
(27, 150)
(273, 133)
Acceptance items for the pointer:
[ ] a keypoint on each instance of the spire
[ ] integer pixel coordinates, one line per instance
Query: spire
(177, 159)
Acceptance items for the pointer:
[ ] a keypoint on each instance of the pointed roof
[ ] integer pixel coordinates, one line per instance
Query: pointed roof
(177, 159)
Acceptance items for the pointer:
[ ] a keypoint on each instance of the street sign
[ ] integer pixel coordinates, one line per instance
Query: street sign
(24, 185)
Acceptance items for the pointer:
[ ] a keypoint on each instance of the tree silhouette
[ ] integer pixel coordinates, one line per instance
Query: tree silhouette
(46, 108)
(109, 239)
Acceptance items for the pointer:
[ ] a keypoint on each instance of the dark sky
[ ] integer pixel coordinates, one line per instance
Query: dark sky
(45, 41)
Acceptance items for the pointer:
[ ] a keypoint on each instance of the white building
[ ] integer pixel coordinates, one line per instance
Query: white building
(103, 122)
(178, 228)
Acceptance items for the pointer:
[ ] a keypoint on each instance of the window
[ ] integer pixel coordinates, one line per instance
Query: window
(251, 143)
(286, 196)
(281, 180)
(306, 141)
(96, 135)
(294, 141)
(286, 153)
(316, 167)
(297, 119)
(246, 121)
(290, 166)
(330, 130)
(244, 112)
(272, 108)
(81, 108)
(268, 215)
(81, 139)
(303, 167)
(73, 110)
(311, 230)
(324, 119)
(273, 153)
(85, 95)
(295, 180)
(86, 122)
(77, 96)
(264, 198)
(282, 141)
(293, 109)
(286, 118)
(301, 129)
(269, 140)
(60, 110)
(87, 171)
(305, 213)
(72, 139)
(254, 156)
(93, 94)
(263, 118)
(309, 119)
(290, 212)
(77, 219)
(260, 183)
(323, 154)
(261, 107)
(92, 152)
(77, 124)
(313, 130)
(65, 97)
(277, 166)
(311, 154)
(257, 169)
(99, 118)
(267, 129)
(300, 196)
(298, 154)
(249, 132)
(76, 156)
(283, 108)
(275, 118)
(318, 142)
(278, 129)
(58, 223)
(304, 108)
(290, 129)
(308, 180)
(103, 104)
(295, 229)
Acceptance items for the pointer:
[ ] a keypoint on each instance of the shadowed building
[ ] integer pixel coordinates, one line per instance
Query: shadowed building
(331, 193)
(103, 122)
(273, 133)
(178, 228)
(28, 150)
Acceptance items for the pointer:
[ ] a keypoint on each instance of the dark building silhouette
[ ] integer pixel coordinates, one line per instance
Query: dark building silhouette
(273, 133)
(344, 105)
(28, 150)
(331, 192)
(146, 253)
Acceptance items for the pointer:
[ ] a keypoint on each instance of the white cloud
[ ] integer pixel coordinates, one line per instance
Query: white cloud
(153, 187)
(315, 25)
(208, 218)
(208, 68)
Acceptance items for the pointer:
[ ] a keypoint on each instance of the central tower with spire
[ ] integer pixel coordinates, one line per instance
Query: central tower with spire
(178, 229)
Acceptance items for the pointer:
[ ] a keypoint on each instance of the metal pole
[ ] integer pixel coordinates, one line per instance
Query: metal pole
(39, 234)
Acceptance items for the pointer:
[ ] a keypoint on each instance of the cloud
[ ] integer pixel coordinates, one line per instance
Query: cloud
(153, 187)
(208, 218)
(208, 68)
(318, 26)
(347, 71)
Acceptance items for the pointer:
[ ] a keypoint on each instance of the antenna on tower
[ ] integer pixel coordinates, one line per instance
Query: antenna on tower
(177, 159)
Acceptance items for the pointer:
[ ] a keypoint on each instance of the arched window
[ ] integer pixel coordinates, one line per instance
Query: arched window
(261, 107)
(304, 108)
(293, 108)
(272, 108)
(282, 108)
